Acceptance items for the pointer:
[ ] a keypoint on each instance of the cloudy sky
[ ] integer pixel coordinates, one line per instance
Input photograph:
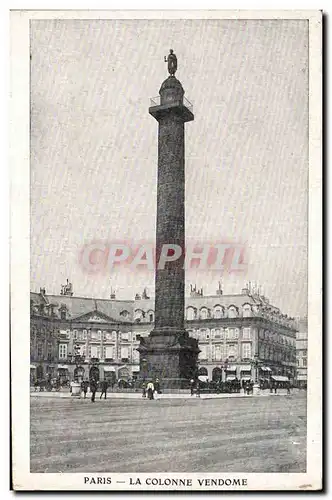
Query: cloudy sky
(94, 147)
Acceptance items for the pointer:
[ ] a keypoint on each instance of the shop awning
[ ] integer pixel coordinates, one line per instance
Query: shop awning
(109, 369)
(62, 367)
(230, 377)
(33, 367)
(231, 368)
(245, 368)
(246, 378)
(136, 368)
(203, 378)
(266, 369)
(280, 378)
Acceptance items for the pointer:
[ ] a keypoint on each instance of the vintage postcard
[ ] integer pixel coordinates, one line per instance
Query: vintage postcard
(166, 250)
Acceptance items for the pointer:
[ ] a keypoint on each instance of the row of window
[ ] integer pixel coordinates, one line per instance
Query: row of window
(200, 334)
(218, 312)
(222, 333)
(268, 352)
(221, 352)
(98, 335)
(302, 362)
(193, 313)
(275, 337)
(41, 350)
(106, 352)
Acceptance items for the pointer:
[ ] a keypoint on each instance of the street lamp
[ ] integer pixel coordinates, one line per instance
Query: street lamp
(256, 363)
(224, 366)
(144, 368)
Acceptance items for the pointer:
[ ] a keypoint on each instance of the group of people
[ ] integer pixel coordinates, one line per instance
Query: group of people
(233, 386)
(151, 390)
(48, 384)
(93, 384)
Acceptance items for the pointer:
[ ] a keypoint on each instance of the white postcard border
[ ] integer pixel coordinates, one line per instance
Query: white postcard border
(20, 265)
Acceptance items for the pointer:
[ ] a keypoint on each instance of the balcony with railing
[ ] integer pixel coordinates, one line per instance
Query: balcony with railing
(156, 101)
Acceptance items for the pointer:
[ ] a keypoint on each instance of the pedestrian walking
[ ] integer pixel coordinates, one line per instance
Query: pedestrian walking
(144, 390)
(288, 388)
(104, 386)
(84, 387)
(192, 387)
(198, 390)
(150, 388)
(93, 389)
(156, 388)
(275, 387)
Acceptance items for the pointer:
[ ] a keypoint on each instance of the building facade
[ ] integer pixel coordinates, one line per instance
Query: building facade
(240, 336)
(302, 352)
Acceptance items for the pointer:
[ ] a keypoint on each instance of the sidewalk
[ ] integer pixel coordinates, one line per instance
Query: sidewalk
(138, 395)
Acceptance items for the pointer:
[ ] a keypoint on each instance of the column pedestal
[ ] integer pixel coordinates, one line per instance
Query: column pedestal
(172, 358)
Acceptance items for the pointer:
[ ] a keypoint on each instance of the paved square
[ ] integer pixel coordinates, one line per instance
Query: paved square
(261, 434)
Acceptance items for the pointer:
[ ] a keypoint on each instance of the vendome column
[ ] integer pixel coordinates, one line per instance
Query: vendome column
(169, 353)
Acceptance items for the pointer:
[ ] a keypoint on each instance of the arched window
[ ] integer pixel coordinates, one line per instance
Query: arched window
(138, 315)
(203, 313)
(232, 312)
(94, 373)
(151, 316)
(246, 310)
(190, 313)
(203, 371)
(217, 312)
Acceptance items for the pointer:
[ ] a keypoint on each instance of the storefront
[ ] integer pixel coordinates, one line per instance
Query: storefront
(281, 380)
(110, 374)
(217, 374)
(94, 373)
(79, 373)
(135, 372)
(265, 376)
(245, 373)
(230, 373)
(63, 374)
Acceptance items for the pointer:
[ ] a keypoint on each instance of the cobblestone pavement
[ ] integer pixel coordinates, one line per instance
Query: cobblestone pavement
(260, 434)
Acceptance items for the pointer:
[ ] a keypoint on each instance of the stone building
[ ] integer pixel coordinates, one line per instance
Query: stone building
(302, 351)
(44, 336)
(241, 335)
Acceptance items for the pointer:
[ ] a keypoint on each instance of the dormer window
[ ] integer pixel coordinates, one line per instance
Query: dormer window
(204, 313)
(190, 313)
(232, 312)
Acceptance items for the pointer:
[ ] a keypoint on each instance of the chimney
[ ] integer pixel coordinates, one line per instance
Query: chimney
(219, 291)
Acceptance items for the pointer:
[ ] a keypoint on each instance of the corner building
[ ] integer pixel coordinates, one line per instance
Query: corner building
(241, 336)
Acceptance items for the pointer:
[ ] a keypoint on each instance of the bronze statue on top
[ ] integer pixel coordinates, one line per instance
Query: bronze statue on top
(172, 62)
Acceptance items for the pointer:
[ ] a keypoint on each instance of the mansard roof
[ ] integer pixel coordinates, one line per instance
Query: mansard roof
(80, 306)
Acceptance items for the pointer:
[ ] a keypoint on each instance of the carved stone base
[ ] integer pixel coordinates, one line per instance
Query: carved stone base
(256, 390)
(171, 357)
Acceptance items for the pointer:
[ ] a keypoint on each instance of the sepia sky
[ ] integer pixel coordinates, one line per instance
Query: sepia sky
(94, 147)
